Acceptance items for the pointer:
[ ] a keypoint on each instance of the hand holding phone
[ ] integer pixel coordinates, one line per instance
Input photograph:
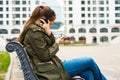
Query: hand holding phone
(46, 25)
(60, 40)
(45, 19)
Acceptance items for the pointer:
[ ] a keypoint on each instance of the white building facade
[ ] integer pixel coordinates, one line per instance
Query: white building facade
(14, 13)
(92, 21)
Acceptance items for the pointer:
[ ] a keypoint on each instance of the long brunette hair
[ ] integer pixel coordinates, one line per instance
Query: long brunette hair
(38, 12)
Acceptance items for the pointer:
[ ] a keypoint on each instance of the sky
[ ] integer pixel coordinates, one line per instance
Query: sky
(52, 1)
(60, 2)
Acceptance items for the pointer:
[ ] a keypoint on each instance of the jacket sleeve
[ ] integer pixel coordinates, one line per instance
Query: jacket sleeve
(52, 38)
(39, 45)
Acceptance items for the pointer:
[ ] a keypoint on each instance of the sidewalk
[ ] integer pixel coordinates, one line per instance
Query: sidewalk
(15, 72)
(106, 56)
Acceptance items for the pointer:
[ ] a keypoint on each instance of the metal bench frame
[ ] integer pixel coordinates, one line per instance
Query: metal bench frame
(24, 60)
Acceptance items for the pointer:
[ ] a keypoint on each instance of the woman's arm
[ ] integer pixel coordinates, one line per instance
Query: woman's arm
(40, 46)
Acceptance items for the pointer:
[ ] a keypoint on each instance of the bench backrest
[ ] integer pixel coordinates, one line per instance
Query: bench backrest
(24, 61)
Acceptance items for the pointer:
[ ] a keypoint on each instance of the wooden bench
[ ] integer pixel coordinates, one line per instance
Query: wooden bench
(24, 60)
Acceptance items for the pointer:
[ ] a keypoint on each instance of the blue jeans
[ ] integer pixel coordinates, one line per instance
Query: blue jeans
(84, 67)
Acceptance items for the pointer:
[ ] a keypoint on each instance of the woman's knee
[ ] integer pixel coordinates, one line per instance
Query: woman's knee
(90, 60)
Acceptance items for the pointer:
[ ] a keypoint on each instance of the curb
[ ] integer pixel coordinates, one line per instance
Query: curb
(8, 75)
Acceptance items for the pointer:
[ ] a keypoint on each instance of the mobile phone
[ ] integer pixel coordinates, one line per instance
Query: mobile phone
(45, 19)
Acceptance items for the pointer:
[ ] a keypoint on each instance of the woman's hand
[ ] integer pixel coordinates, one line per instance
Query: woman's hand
(46, 26)
(60, 40)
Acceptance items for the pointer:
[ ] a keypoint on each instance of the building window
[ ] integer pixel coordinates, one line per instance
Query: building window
(89, 21)
(89, 9)
(16, 9)
(107, 21)
(94, 21)
(15, 2)
(70, 2)
(117, 21)
(1, 9)
(82, 2)
(107, 14)
(29, 9)
(101, 8)
(107, 8)
(117, 1)
(24, 9)
(70, 8)
(82, 30)
(94, 8)
(15, 31)
(72, 30)
(70, 15)
(82, 15)
(17, 15)
(101, 21)
(94, 2)
(115, 30)
(117, 8)
(104, 39)
(101, 15)
(83, 22)
(29, 2)
(82, 8)
(7, 22)
(1, 2)
(88, 2)
(3, 31)
(103, 30)
(93, 30)
(1, 22)
(24, 15)
(1, 15)
(17, 22)
(101, 2)
(82, 40)
(29, 15)
(7, 15)
(7, 9)
(24, 2)
(117, 14)
(94, 15)
(23, 21)
(37, 2)
(89, 15)
(7, 2)
(70, 21)
(107, 2)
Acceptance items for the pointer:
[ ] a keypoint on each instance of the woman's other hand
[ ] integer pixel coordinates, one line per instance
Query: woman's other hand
(60, 40)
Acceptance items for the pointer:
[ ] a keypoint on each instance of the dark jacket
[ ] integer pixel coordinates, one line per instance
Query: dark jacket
(42, 50)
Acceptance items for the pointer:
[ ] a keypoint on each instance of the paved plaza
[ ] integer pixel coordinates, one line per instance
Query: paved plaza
(107, 56)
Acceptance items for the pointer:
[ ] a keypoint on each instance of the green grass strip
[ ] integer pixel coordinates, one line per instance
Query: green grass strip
(4, 61)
